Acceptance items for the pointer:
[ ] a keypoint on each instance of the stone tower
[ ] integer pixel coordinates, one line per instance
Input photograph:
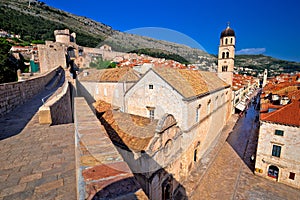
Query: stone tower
(226, 55)
(264, 83)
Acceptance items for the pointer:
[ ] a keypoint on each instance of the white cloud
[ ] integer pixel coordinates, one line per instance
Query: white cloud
(252, 51)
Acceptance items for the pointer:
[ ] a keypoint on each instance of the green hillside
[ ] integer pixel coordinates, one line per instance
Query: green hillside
(32, 26)
(258, 63)
(37, 22)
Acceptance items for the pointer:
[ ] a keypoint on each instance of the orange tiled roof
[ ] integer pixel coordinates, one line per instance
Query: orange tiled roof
(134, 131)
(110, 75)
(287, 115)
(190, 83)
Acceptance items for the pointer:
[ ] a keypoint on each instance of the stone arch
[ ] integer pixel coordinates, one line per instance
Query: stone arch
(223, 55)
(167, 121)
(168, 147)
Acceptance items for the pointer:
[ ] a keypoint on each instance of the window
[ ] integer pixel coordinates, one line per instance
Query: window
(208, 106)
(273, 171)
(195, 155)
(292, 175)
(198, 113)
(150, 87)
(227, 54)
(279, 132)
(226, 41)
(237, 100)
(223, 55)
(231, 40)
(151, 114)
(224, 68)
(276, 150)
(216, 102)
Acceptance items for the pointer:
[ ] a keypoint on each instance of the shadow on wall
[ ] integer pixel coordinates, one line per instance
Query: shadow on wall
(157, 183)
(83, 92)
(15, 121)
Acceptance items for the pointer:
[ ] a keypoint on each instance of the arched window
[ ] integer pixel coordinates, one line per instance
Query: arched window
(227, 54)
(198, 113)
(273, 171)
(195, 155)
(223, 55)
(224, 68)
(231, 40)
(226, 41)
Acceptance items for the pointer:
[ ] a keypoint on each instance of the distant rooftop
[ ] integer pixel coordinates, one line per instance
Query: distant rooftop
(109, 75)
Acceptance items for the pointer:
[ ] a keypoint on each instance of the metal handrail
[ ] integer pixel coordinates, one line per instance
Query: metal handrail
(43, 99)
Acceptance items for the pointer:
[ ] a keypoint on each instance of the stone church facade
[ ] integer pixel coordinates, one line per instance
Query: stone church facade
(169, 119)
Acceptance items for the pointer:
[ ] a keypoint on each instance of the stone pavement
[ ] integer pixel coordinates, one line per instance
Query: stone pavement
(227, 173)
(36, 161)
(208, 158)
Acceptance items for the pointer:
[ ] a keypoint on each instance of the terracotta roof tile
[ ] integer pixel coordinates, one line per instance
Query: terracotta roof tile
(190, 83)
(287, 115)
(134, 131)
(109, 75)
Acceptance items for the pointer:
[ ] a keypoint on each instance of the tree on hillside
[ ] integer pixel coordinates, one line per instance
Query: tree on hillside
(8, 72)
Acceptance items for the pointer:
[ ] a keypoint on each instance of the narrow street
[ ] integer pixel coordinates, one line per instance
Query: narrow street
(230, 175)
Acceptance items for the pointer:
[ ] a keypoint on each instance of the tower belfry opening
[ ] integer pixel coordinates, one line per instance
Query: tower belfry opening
(226, 55)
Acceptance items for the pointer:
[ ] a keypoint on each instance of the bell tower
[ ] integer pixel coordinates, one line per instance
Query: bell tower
(226, 55)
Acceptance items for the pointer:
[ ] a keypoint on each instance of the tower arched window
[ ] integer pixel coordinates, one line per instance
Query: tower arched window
(224, 68)
(223, 55)
(226, 41)
(227, 54)
(231, 40)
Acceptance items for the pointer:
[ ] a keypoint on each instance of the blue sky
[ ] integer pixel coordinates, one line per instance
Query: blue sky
(261, 26)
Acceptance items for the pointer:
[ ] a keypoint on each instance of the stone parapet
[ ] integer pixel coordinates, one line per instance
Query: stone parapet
(101, 171)
(16, 93)
(57, 110)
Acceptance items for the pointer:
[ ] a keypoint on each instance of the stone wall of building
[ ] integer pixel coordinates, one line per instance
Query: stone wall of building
(162, 97)
(110, 92)
(289, 160)
(51, 55)
(16, 93)
(58, 108)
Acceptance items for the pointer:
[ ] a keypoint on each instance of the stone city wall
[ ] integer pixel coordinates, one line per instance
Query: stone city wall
(58, 109)
(100, 167)
(16, 93)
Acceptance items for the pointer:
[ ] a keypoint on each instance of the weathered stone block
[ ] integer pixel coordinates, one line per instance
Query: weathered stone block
(45, 115)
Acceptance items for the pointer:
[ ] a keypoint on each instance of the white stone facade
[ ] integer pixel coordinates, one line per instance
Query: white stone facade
(288, 162)
(201, 119)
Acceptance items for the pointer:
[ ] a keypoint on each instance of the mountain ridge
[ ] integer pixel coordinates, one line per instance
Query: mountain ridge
(40, 20)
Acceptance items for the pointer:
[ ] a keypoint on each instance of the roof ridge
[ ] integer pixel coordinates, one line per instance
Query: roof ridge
(272, 116)
(279, 110)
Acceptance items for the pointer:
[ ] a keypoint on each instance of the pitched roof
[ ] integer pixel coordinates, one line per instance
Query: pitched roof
(190, 83)
(136, 132)
(287, 115)
(109, 75)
